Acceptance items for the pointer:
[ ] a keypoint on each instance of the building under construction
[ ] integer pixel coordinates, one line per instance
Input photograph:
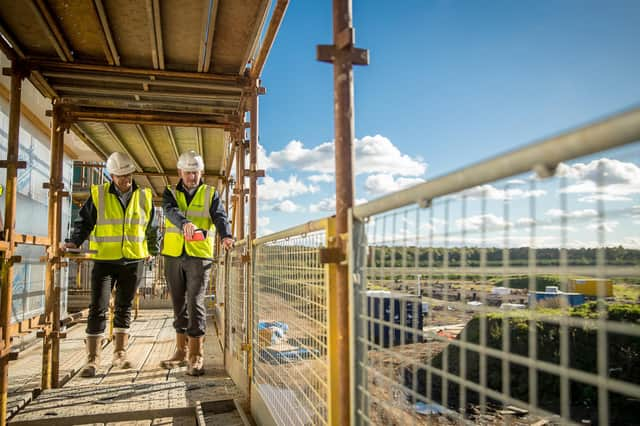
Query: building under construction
(334, 321)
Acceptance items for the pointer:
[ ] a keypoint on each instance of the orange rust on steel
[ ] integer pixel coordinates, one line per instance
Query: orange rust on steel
(55, 243)
(344, 133)
(239, 190)
(143, 80)
(18, 73)
(52, 65)
(31, 239)
(269, 37)
(147, 118)
(253, 164)
(50, 343)
(198, 95)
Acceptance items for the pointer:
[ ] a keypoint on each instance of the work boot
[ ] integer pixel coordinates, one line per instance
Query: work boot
(93, 345)
(120, 343)
(179, 358)
(196, 361)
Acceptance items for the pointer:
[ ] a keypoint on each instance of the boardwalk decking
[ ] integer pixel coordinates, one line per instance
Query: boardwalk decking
(143, 395)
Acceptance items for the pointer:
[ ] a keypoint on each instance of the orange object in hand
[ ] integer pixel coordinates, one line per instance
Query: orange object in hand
(198, 235)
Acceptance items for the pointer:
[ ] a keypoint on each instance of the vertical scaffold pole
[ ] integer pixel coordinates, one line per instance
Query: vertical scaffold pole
(343, 55)
(17, 73)
(253, 217)
(51, 331)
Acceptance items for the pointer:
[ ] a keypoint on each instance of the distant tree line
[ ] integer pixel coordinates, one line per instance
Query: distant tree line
(389, 256)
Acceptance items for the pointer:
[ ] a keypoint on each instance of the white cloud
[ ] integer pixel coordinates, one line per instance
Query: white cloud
(379, 154)
(604, 197)
(516, 182)
(286, 206)
(263, 160)
(557, 213)
(263, 221)
(329, 204)
(525, 221)
(605, 225)
(371, 153)
(631, 242)
(490, 221)
(324, 205)
(325, 177)
(271, 189)
(603, 179)
(493, 193)
(384, 183)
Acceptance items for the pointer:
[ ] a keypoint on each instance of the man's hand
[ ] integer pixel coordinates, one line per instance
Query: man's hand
(188, 229)
(69, 245)
(227, 243)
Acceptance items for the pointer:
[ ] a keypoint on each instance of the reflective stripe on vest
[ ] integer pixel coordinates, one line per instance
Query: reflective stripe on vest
(119, 234)
(197, 212)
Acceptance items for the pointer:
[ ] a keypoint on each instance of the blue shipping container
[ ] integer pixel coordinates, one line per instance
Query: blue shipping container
(394, 309)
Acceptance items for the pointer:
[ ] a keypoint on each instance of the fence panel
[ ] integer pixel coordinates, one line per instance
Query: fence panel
(290, 326)
(236, 333)
(514, 299)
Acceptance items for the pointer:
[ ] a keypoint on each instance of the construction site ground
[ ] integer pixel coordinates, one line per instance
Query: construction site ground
(146, 394)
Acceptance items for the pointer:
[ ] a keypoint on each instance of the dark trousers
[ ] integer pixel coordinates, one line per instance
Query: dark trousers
(125, 278)
(187, 278)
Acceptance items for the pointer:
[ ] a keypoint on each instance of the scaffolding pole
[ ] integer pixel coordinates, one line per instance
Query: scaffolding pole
(17, 73)
(51, 330)
(343, 55)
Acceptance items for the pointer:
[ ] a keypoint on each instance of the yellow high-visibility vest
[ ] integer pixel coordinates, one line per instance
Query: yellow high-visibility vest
(197, 212)
(120, 234)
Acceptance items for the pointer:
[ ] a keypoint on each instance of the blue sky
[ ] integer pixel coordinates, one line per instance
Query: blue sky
(449, 83)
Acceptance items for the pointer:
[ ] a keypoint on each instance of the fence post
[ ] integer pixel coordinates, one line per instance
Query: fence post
(358, 307)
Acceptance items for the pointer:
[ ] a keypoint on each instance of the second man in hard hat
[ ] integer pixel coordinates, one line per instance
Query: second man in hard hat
(118, 219)
(192, 210)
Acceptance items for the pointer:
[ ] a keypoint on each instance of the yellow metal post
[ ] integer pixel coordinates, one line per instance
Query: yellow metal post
(337, 338)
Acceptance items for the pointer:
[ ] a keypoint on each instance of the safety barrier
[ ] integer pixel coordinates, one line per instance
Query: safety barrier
(504, 290)
(237, 330)
(290, 297)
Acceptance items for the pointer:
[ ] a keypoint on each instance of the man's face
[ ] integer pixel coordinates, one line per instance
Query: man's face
(123, 182)
(190, 179)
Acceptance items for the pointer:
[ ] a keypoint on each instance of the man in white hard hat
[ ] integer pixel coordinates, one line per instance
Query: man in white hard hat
(192, 209)
(118, 219)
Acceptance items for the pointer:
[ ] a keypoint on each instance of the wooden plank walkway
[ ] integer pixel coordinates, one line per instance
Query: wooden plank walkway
(134, 394)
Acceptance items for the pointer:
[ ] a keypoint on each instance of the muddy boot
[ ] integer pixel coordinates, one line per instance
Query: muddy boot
(120, 343)
(179, 358)
(196, 361)
(94, 349)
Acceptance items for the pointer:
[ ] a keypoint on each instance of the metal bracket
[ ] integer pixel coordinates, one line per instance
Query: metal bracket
(258, 173)
(19, 164)
(425, 203)
(544, 171)
(328, 52)
(246, 347)
(331, 255)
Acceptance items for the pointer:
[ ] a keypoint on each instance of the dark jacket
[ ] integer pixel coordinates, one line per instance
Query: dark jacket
(88, 216)
(177, 217)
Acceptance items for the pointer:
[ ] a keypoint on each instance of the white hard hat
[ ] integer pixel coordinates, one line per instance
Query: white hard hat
(190, 161)
(120, 164)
